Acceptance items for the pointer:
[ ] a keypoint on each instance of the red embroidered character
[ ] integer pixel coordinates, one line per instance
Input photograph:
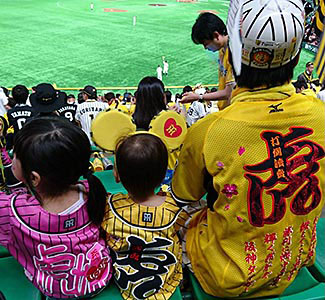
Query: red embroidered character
(282, 162)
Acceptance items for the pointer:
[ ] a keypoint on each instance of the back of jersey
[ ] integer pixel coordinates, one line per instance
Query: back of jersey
(87, 112)
(18, 115)
(68, 111)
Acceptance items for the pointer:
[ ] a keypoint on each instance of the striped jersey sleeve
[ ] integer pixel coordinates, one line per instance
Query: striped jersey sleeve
(4, 219)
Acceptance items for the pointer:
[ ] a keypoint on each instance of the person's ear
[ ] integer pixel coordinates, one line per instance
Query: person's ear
(35, 179)
(216, 35)
(115, 173)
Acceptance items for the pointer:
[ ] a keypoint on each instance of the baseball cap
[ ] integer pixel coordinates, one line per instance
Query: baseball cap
(46, 99)
(271, 32)
(90, 91)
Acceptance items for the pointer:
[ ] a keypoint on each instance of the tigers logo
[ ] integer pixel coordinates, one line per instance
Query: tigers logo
(171, 129)
(262, 56)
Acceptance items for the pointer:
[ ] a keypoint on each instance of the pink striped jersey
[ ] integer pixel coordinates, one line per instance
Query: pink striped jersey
(62, 255)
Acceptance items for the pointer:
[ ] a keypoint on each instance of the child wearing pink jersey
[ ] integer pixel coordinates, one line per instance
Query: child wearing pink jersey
(53, 227)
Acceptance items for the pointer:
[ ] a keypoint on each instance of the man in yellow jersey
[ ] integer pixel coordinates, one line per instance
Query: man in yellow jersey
(260, 161)
(210, 31)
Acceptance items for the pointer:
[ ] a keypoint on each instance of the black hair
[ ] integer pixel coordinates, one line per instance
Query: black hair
(80, 98)
(141, 162)
(108, 96)
(168, 96)
(59, 152)
(20, 94)
(251, 77)
(204, 27)
(187, 88)
(150, 101)
(309, 64)
(214, 89)
(71, 96)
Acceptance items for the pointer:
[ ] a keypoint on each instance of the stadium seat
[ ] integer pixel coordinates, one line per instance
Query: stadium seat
(13, 283)
(108, 180)
(4, 252)
(303, 287)
(318, 269)
(112, 292)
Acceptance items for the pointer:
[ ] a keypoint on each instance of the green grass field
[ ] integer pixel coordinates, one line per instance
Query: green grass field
(64, 42)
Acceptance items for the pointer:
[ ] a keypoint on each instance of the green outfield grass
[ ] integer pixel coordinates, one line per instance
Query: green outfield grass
(64, 42)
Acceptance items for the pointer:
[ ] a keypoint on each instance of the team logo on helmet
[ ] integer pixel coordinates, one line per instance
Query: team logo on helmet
(261, 56)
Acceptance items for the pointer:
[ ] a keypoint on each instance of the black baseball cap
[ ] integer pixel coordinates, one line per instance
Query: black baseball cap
(46, 99)
(90, 91)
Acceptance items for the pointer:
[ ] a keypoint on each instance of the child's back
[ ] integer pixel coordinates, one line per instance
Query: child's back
(141, 226)
(54, 233)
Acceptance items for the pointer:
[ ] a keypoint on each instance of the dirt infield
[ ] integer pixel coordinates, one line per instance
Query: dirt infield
(114, 10)
(157, 4)
(210, 11)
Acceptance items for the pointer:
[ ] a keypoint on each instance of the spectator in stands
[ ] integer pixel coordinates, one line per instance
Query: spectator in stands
(3, 102)
(89, 109)
(210, 31)
(71, 99)
(307, 75)
(46, 100)
(69, 109)
(55, 213)
(20, 113)
(168, 95)
(111, 100)
(300, 86)
(150, 101)
(141, 219)
(255, 162)
(80, 98)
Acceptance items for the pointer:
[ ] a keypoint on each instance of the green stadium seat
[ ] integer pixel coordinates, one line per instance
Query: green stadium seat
(4, 252)
(303, 287)
(13, 283)
(318, 269)
(113, 292)
(108, 180)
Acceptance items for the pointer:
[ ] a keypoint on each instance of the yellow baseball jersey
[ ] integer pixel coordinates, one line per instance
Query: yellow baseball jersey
(225, 74)
(264, 156)
(147, 253)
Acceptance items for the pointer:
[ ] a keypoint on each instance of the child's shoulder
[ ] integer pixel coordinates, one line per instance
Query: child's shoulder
(145, 217)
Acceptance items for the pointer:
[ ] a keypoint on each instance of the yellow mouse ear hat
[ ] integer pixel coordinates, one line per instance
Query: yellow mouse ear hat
(170, 127)
(109, 126)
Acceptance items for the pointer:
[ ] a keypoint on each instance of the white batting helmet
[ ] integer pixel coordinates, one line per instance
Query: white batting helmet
(271, 32)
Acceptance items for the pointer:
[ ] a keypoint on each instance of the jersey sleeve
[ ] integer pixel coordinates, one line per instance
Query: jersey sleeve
(4, 219)
(229, 75)
(188, 180)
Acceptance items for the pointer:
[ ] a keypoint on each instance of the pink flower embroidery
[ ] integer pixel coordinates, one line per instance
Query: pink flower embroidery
(220, 165)
(230, 190)
(227, 207)
(241, 151)
(240, 219)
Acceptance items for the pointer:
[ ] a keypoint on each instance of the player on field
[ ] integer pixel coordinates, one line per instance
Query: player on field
(141, 226)
(88, 110)
(54, 230)
(260, 161)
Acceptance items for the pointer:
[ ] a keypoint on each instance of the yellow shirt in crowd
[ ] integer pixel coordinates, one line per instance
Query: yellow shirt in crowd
(147, 254)
(264, 155)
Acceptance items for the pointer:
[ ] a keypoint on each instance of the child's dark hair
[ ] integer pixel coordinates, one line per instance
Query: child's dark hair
(150, 101)
(141, 162)
(20, 94)
(59, 152)
(204, 27)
